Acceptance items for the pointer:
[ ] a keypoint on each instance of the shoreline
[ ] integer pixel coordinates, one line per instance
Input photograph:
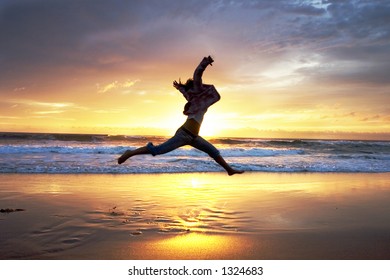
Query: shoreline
(256, 215)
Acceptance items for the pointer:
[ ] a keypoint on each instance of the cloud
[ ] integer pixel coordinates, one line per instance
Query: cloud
(20, 89)
(46, 42)
(47, 36)
(300, 52)
(48, 107)
(116, 85)
(342, 33)
(51, 104)
(9, 117)
(49, 112)
(34, 103)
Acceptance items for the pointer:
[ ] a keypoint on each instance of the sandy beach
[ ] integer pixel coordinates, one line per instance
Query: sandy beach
(272, 216)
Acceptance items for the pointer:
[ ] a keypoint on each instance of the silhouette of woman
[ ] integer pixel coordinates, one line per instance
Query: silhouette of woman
(200, 97)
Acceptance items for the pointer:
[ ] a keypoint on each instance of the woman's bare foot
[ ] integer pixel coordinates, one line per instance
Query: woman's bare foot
(125, 156)
(234, 171)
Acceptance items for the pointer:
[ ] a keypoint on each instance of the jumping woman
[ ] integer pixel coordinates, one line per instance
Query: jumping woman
(200, 97)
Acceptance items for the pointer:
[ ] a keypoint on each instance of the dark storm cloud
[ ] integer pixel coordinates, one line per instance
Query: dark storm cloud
(356, 41)
(37, 33)
(286, 6)
(50, 35)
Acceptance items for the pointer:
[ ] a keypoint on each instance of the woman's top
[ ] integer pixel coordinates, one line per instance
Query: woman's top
(200, 97)
(198, 103)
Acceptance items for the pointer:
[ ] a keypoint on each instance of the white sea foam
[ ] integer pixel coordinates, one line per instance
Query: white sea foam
(46, 153)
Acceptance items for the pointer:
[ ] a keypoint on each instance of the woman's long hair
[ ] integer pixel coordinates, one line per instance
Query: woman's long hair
(188, 85)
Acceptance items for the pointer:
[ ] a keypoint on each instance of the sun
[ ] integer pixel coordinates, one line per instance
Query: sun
(211, 126)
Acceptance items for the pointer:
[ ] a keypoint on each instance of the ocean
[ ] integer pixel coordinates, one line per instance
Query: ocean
(97, 154)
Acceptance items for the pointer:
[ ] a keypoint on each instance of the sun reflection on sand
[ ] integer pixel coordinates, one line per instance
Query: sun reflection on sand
(194, 216)
(186, 246)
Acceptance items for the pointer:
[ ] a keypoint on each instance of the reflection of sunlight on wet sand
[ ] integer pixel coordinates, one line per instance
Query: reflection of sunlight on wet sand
(212, 202)
(194, 216)
(186, 246)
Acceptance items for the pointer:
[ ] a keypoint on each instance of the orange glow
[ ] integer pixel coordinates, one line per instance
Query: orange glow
(134, 107)
(114, 75)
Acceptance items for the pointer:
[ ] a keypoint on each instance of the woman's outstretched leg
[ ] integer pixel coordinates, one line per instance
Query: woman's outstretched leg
(178, 140)
(231, 171)
(129, 153)
(205, 146)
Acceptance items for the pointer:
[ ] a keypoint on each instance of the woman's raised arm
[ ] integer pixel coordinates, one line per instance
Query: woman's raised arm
(199, 72)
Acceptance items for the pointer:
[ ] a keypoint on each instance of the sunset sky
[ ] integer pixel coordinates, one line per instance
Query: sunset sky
(283, 68)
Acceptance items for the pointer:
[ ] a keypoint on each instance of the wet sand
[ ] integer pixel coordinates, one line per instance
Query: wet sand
(271, 216)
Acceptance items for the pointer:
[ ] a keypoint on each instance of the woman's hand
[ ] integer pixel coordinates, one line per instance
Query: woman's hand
(206, 61)
(210, 60)
(176, 84)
